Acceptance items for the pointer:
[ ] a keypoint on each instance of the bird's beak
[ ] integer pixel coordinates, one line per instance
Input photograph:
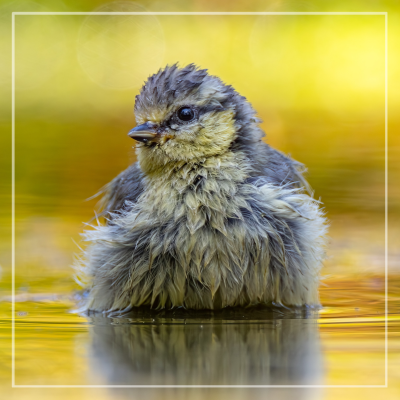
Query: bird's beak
(144, 133)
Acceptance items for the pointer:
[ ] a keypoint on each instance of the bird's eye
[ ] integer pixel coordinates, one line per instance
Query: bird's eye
(185, 114)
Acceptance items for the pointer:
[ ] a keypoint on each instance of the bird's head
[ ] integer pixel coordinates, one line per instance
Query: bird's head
(184, 114)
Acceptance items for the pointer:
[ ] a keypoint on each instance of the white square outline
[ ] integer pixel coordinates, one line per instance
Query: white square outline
(13, 200)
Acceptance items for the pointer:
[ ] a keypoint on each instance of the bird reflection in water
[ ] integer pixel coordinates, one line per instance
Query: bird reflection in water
(226, 347)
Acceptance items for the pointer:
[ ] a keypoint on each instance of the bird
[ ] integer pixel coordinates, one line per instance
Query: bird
(209, 216)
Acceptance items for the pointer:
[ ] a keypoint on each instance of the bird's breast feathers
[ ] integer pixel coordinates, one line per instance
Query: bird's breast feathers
(222, 234)
(197, 228)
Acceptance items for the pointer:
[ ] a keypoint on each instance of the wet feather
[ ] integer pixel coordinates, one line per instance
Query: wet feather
(212, 217)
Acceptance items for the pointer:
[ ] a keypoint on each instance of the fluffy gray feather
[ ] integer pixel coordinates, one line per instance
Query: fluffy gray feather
(210, 216)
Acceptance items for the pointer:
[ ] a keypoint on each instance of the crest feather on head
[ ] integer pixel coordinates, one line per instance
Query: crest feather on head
(191, 84)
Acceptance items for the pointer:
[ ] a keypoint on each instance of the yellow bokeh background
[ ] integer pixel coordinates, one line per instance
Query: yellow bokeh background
(316, 81)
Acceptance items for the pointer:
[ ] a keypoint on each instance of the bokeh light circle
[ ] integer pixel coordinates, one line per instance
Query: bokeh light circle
(118, 51)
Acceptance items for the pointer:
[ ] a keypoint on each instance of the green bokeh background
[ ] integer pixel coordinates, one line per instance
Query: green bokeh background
(317, 82)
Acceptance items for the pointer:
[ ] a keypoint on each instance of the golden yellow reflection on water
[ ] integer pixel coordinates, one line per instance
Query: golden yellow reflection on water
(345, 345)
(318, 84)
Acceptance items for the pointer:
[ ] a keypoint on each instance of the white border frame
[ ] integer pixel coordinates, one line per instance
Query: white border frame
(13, 199)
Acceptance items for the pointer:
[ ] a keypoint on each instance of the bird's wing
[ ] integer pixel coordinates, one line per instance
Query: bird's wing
(127, 186)
(277, 168)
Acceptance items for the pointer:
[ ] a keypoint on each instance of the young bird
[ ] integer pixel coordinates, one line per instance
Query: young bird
(210, 216)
